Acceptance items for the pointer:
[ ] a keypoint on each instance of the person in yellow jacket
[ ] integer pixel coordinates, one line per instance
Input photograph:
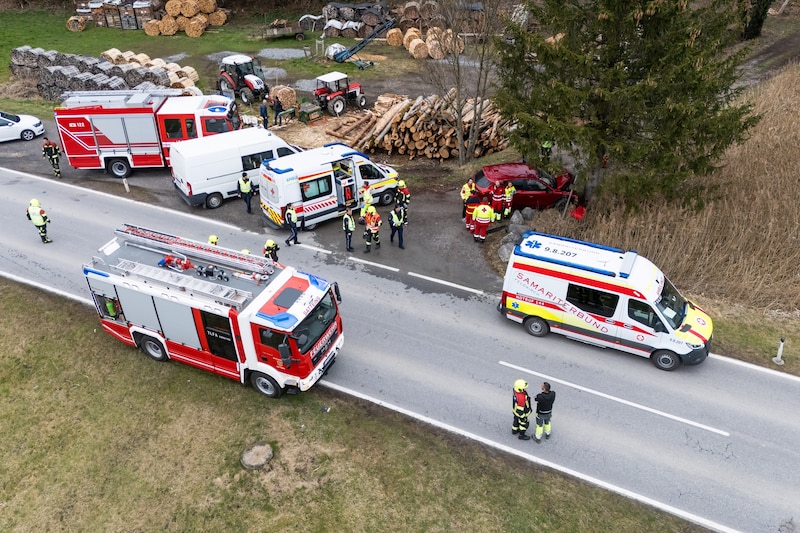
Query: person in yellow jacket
(271, 250)
(368, 199)
(245, 189)
(510, 190)
(39, 218)
(482, 216)
(290, 217)
(466, 191)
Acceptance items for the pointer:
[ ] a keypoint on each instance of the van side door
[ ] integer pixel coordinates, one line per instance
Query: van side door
(642, 330)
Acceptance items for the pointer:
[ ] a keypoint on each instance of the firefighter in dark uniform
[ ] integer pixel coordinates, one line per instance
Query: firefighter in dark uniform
(544, 411)
(50, 151)
(521, 407)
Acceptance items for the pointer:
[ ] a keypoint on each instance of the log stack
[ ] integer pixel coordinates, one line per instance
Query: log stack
(425, 127)
(353, 20)
(425, 14)
(192, 17)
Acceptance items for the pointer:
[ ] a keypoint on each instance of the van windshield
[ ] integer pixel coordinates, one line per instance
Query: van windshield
(671, 304)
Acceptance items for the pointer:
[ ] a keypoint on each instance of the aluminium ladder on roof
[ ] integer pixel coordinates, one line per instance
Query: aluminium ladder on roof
(222, 294)
(197, 249)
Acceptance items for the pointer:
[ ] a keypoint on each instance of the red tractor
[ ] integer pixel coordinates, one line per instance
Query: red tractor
(334, 90)
(243, 76)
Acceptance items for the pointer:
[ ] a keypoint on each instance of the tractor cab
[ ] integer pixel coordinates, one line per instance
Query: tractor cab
(243, 76)
(334, 90)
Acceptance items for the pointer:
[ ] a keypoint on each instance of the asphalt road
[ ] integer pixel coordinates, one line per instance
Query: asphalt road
(715, 443)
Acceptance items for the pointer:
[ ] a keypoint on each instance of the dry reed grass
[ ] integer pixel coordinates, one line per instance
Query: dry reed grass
(743, 246)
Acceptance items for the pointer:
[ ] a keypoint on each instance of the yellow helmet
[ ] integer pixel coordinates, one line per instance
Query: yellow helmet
(401, 183)
(213, 239)
(520, 385)
(35, 203)
(269, 244)
(245, 251)
(371, 209)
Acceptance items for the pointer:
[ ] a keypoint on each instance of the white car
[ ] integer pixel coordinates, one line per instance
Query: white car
(24, 127)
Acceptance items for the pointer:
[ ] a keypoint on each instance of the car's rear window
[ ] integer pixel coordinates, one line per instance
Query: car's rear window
(481, 180)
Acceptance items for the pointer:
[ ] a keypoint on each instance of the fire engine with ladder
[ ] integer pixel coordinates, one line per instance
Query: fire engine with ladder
(232, 313)
(121, 130)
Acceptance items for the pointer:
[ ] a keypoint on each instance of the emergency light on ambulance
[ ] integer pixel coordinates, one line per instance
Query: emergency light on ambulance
(605, 297)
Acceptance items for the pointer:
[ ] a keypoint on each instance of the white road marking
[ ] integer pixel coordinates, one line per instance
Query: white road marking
(532, 458)
(447, 283)
(618, 400)
(751, 366)
(365, 262)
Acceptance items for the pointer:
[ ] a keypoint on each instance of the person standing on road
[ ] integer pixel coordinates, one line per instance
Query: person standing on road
(245, 189)
(482, 216)
(271, 250)
(498, 199)
(373, 230)
(397, 220)
(509, 192)
(348, 226)
(470, 205)
(402, 196)
(51, 152)
(263, 110)
(39, 218)
(290, 217)
(521, 407)
(366, 195)
(466, 190)
(277, 108)
(213, 240)
(544, 410)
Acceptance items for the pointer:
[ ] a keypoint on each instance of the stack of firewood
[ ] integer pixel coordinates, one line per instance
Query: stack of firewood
(353, 20)
(424, 14)
(189, 16)
(424, 127)
(437, 44)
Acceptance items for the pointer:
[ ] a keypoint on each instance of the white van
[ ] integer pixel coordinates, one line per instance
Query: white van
(205, 171)
(602, 296)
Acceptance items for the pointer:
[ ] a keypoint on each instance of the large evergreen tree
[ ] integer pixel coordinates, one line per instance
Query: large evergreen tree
(647, 84)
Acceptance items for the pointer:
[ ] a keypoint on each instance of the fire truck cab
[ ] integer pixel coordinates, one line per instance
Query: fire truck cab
(231, 313)
(121, 130)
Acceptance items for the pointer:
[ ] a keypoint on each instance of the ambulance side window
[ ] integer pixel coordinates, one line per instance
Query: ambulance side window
(644, 314)
(592, 301)
(312, 189)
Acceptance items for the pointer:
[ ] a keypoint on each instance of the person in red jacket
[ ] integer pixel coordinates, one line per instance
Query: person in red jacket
(482, 216)
(469, 210)
(498, 200)
(521, 407)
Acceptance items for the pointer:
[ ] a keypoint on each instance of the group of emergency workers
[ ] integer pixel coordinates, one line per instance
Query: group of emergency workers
(477, 213)
(398, 219)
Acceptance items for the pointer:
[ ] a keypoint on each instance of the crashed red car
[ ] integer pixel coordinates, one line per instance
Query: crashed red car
(535, 188)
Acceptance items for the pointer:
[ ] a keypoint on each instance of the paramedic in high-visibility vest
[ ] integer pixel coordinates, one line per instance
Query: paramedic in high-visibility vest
(466, 190)
(510, 190)
(245, 189)
(521, 407)
(368, 201)
(470, 205)
(482, 216)
(290, 217)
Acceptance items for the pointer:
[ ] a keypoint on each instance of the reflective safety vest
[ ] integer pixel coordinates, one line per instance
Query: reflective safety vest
(398, 218)
(498, 194)
(291, 216)
(374, 222)
(36, 215)
(348, 224)
(466, 191)
(510, 190)
(483, 213)
(471, 207)
(368, 199)
(521, 406)
(244, 186)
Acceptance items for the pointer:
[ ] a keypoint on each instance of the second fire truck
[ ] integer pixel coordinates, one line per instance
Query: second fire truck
(121, 130)
(231, 313)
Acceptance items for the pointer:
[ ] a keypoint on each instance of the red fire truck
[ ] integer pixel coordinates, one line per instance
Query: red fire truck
(120, 130)
(231, 313)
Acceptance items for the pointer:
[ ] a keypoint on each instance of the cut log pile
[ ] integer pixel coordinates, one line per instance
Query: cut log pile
(424, 127)
(437, 44)
(192, 17)
(425, 14)
(353, 20)
(56, 72)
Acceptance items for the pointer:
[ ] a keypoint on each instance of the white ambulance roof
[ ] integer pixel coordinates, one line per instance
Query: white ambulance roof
(312, 158)
(604, 262)
(227, 140)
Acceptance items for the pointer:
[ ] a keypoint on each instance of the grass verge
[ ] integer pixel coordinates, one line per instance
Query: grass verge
(97, 437)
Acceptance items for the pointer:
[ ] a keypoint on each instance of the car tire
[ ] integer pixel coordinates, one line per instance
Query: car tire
(214, 200)
(119, 168)
(665, 360)
(265, 385)
(27, 135)
(560, 204)
(538, 327)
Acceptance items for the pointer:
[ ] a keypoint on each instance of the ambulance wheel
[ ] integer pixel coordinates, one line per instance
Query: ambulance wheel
(265, 385)
(536, 326)
(665, 360)
(386, 197)
(336, 106)
(213, 201)
(119, 168)
(153, 348)
(310, 227)
(247, 96)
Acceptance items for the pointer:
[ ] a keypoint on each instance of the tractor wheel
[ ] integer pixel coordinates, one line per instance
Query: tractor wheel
(336, 106)
(247, 96)
(362, 101)
(224, 84)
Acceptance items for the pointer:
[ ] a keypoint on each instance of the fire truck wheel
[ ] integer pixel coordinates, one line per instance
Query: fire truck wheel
(386, 197)
(665, 360)
(119, 168)
(536, 326)
(247, 96)
(265, 385)
(153, 348)
(213, 201)
(336, 106)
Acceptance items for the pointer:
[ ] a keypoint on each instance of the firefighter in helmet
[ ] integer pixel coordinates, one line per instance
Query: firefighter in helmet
(39, 218)
(521, 407)
(50, 151)
(271, 250)
(372, 232)
(213, 240)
